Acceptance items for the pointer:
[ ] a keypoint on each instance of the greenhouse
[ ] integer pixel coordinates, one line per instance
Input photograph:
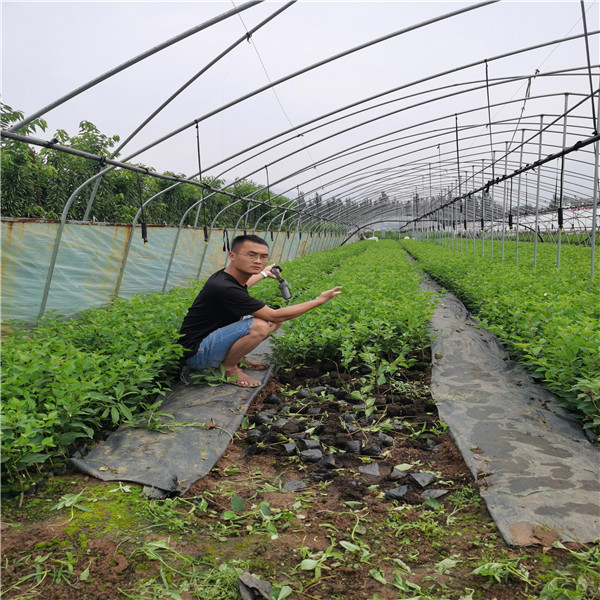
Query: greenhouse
(404, 197)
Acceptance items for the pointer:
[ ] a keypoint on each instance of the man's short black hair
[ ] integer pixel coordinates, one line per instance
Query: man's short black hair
(238, 240)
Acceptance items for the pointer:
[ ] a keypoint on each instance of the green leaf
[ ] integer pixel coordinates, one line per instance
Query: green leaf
(445, 565)
(349, 546)
(309, 564)
(432, 503)
(237, 503)
(284, 592)
(377, 575)
(126, 412)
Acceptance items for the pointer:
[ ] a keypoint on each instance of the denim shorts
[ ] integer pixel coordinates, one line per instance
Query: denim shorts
(215, 346)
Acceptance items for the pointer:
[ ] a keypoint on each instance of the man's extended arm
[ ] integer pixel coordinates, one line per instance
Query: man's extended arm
(285, 313)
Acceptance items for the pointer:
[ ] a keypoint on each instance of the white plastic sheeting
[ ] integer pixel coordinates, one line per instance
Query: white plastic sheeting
(90, 257)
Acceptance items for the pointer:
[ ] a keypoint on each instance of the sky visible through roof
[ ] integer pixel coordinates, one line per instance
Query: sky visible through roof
(51, 48)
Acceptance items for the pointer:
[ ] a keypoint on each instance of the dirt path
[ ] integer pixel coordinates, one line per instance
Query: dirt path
(315, 497)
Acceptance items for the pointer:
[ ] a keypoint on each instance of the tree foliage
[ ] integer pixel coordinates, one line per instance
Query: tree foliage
(39, 184)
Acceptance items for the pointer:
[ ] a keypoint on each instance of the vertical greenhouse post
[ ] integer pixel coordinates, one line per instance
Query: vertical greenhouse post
(537, 193)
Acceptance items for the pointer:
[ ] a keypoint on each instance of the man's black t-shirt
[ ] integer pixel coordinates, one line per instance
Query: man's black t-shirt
(221, 301)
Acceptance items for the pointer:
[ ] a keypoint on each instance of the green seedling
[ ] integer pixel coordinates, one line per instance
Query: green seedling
(74, 501)
(501, 570)
(316, 561)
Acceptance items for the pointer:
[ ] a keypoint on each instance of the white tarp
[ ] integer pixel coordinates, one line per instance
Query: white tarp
(91, 256)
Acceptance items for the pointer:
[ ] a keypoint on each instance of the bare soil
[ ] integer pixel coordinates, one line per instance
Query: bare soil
(100, 549)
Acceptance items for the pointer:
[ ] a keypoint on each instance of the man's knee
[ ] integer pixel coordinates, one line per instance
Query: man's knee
(263, 328)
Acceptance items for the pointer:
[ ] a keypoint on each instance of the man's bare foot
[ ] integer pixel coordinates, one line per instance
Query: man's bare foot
(241, 379)
(253, 365)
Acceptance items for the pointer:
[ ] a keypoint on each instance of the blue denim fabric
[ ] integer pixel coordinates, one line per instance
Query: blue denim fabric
(214, 346)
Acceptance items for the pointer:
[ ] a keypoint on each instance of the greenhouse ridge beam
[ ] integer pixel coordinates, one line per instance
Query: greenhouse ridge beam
(577, 146)
(133, 61)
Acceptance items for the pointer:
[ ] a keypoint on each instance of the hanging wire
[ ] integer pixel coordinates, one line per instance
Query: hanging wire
(142, 217)
(202, 203)
(525, 98)
(457, 153)
(226, 246)
(589, 65)
(268, 191)
(489, 111)
(294, 127)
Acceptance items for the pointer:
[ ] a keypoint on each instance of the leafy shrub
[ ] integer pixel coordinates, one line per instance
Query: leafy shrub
(66, 380)
(548, 318)
(381, 311)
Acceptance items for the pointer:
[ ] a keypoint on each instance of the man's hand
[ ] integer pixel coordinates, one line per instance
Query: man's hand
(329, 294)
(254, 279)
(268, 271)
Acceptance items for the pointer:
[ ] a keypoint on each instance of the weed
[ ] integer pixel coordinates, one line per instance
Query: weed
(73, 501)
(466, 496)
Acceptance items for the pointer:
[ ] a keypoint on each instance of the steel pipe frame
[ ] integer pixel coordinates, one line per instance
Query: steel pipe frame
(297, 172)
(90, 84)
(434, 133)
(306, 70)
(172, 97)
(242, 98)
(420, 124)
(135, 220)
(508, 54)
(398, 88)
(549, 176)
(508, 177)
(388, 187)
(260, 89)
(409, 182)
(100, 174)
(529, 140)
(426, 122)
(309, 167)
(299, 150)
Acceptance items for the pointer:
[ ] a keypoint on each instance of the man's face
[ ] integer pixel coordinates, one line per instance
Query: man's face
(250, 257)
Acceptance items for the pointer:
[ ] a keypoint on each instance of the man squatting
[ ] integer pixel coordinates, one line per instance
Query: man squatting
(225, 323)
